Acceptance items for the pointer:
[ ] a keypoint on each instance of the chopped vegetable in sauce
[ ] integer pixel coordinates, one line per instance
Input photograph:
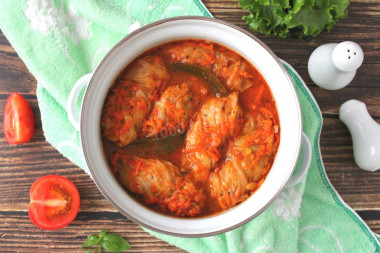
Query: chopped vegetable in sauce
(190, 128)
(218, 120)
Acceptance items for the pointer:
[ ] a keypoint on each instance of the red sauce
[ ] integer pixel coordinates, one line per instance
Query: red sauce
(185, 195)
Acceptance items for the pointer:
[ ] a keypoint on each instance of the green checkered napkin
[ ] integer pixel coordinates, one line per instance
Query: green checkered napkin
(60, 41)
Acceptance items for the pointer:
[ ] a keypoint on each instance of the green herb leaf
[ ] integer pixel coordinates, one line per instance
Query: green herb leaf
(90, 241)
(109, 241)
(102, 233)
(115, 243)
(297, 18)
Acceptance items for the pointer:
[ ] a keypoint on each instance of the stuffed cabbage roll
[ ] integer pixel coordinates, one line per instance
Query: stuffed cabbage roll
(171, 113)
(218, 120)
(191, 52)
(131, 100)
(160, 182)
(235, 73)
(248, 160)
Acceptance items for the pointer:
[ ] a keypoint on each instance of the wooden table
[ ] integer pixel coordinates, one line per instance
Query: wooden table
(21, 165)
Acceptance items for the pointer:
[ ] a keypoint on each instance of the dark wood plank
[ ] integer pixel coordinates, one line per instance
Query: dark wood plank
(18, 233)
(372, 218)
(360, 189)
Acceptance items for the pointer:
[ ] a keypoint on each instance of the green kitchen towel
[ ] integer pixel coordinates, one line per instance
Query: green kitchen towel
(60, 41)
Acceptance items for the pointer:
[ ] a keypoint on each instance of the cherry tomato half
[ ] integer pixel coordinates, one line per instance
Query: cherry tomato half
(18, 121)
(54, 202)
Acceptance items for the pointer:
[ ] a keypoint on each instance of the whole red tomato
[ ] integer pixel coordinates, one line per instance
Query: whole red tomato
(18, 121)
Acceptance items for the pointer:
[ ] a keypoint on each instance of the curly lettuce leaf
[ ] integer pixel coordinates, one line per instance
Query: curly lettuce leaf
(300, 18)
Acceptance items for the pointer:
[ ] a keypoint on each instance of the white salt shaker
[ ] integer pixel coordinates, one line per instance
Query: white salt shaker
(333, 66)
(365, 132)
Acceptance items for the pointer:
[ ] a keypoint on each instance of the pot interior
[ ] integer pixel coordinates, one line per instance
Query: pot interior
(231, 37)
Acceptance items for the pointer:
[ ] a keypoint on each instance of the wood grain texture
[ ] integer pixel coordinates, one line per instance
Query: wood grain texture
(21, 165)
(17, 233)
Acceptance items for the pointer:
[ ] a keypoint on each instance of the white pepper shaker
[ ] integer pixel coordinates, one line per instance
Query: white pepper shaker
(365, 133)
(332, 66)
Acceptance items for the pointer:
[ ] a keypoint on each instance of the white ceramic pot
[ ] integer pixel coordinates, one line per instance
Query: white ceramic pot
(246, 45)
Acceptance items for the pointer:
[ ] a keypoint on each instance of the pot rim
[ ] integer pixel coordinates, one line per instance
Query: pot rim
(95, 176)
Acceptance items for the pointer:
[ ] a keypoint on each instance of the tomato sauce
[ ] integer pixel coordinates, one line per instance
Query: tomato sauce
(164, 180)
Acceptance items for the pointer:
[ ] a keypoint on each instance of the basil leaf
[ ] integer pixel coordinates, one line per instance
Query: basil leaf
(115, 243)
(90, 241)
(102, 233)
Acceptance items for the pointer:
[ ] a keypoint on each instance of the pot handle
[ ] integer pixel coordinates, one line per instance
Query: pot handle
(72, 101)
(305, 163)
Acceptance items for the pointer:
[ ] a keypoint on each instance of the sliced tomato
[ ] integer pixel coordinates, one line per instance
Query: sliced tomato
(54, 202)
(18, 123)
